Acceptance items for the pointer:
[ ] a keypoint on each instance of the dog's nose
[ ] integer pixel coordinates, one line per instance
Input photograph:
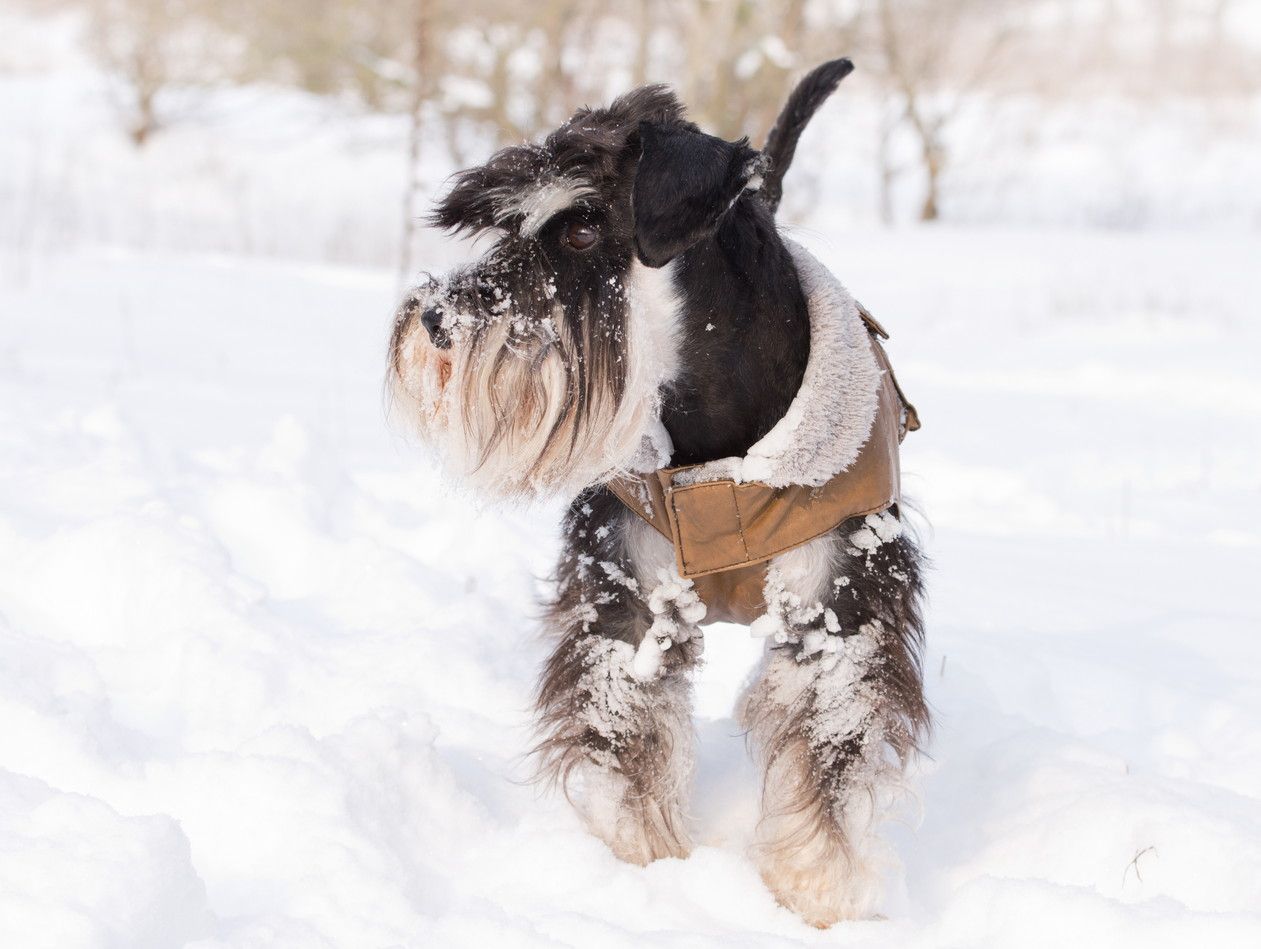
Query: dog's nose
(431, 320)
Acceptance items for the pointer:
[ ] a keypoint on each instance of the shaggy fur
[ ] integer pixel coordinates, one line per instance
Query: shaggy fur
(638, 309)
(627, 740)
(547, 371)
(835, 714)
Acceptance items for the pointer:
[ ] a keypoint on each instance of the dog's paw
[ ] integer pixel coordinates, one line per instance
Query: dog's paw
(637, 830)
(822, 896)
(634, 846)
(821, 880)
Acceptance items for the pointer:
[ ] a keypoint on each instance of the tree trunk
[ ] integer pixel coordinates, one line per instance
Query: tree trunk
(888, 173)
(411, 188)
(145, 75)
(932, 172)
(146, 121)
(644, 21)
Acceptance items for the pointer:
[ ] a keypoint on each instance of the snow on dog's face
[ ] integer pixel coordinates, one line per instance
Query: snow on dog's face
(538, 368)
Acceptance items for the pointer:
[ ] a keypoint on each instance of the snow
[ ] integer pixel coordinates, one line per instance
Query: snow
(877, 529)
(255, 651)
(265, 678)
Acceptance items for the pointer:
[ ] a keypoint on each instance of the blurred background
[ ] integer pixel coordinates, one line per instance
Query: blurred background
(315, 129)
(265, 676)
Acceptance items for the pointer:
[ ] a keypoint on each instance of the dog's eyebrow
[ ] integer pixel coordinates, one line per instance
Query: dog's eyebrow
(538, 202)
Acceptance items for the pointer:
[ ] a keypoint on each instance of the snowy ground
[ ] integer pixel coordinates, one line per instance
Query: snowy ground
(235, 711)
(264, 680)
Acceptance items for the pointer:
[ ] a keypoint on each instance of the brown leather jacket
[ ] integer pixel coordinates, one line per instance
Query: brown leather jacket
(724, 532)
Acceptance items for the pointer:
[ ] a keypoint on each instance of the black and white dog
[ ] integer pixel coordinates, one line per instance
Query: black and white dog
(639, 310)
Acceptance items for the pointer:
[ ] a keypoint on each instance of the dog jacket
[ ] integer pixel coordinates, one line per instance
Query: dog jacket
(833, 456)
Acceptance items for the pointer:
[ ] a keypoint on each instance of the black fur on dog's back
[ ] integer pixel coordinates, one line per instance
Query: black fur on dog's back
(746, 328)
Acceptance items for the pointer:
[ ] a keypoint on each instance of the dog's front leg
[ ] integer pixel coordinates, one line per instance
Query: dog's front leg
(614, 703)
(835, 713)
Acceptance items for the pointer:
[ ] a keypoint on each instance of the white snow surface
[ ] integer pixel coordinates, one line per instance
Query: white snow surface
(265, 679)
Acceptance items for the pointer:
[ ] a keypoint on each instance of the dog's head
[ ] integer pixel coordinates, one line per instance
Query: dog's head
(538, 368)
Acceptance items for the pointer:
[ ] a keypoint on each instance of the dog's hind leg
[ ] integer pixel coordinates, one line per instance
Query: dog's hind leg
(835, 713)
(614, 704)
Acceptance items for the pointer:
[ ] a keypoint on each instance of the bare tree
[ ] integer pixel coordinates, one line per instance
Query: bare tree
(739, 59)
(422, 82)
(147, 44)
(474, 73)
(934, 55)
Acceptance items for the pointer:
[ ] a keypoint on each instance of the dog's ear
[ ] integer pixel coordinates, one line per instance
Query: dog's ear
(685, 183)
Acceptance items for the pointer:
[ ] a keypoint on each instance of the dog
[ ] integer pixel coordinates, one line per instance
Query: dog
(641, 339)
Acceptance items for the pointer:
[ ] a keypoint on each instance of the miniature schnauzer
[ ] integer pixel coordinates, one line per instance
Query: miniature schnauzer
(639, 312)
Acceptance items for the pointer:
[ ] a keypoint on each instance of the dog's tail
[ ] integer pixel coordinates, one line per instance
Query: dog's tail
(804, 101)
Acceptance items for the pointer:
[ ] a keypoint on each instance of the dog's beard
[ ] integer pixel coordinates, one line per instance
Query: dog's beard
(519, 407)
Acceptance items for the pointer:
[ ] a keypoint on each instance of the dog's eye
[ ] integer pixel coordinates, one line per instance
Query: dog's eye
(581, 236)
